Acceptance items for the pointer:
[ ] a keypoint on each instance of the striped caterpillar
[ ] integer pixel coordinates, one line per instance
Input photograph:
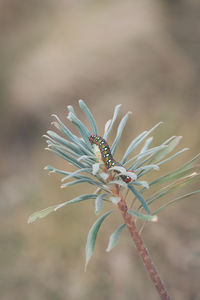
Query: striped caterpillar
(106, 155)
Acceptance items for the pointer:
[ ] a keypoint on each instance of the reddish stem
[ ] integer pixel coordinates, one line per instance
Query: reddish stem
(142, 250)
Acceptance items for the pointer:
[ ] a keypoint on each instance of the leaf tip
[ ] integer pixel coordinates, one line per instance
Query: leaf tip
(154, 218)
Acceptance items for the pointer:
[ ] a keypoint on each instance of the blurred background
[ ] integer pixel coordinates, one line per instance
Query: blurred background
(143, 54)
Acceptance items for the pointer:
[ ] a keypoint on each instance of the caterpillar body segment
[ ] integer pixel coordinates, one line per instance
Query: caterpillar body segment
(106, 155)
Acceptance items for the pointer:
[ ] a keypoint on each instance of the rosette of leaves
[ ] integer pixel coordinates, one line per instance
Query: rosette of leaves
(108, 185)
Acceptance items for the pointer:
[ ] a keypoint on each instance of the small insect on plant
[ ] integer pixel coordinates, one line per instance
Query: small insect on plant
(94, 164)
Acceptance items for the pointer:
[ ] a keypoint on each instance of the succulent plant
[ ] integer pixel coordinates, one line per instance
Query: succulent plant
(112, 183)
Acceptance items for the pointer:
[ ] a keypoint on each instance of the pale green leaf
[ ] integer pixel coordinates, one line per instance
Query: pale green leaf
(89, 115)
(92, 235)
(82, 129)
(152, 218)
(171, 187)
(41, 214)
(114, 238)
(111, 122)
(73, 174)
(98, 203)
(137, 141)
(119, 133)
(175, 200)
(140, 198)
(161, 154)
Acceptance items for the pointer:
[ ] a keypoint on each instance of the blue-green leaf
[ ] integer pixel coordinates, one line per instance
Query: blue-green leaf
(152, 218)
(73, 174)
(111, 122)
(114, 238)
(146, 144)
(98, 203)
(119, 182)
(140, 198)
(147, 168)
(63, 141)
(82, 129)
(137, 141)
(65, 130)
(175, 200)
(92, 235)
(171, 187)
(85, 179)
(178, 173)
(43, 213)
(161, 154)
(143, 183)
(173, 156)
(132, 146)
(119, 133)
(148, 154)
(71, 109)
(89, 115)
(66, 156)
(76, 200)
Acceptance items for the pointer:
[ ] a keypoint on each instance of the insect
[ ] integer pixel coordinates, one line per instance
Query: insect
(106, 155)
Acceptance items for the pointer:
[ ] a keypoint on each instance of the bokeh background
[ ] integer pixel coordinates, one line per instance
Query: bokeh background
(143, 54)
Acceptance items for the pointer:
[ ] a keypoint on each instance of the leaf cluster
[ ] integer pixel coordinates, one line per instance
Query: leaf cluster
(78, 152)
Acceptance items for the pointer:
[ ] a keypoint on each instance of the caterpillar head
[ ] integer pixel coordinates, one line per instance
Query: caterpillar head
(94, 139)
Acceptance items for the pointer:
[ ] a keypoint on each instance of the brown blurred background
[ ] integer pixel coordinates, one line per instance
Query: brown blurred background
(143, 54)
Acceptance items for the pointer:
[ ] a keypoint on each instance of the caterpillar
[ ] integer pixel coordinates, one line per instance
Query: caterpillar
(106, 155)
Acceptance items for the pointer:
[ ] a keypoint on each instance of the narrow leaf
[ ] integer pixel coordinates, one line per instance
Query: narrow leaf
(175, 200)
(73, 174)
(146, 145)
(144, 217)
(148, 154)
(132, 146)
(89, 115)
(148, 168)
(107, 125)
(119, 133)
(119, 182)
(92, 235)
(173, 156)
(82, 129)
(108, 128)
(161, 154)
(171, 187)
(137, 141)
(98, 203)
(114, 238)
(63, 141)
(141, 183)
(140, 198)
(43, 213)
(76, 200)
(66, 156)
(85, 179)
(182, 171)
(71, 136)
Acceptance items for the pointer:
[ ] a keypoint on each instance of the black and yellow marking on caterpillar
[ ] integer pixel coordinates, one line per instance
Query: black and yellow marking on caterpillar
(106, 155)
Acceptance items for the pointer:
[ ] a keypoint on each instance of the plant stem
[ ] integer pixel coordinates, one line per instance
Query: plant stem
(142, 250)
